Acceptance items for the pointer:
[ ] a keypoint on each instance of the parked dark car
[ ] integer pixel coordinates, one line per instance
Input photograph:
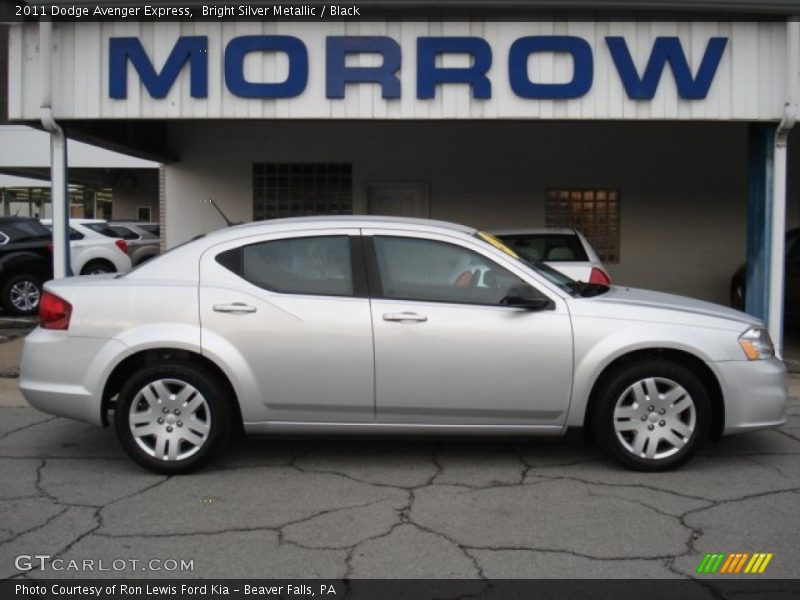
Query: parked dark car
(791, 302)
(26, 262)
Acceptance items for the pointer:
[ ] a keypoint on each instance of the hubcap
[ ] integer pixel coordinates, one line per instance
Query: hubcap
(169, 419)
(25, 295)
(654, 418)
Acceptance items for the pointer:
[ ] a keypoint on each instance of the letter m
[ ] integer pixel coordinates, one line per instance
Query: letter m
(191, 49)
(667, 50)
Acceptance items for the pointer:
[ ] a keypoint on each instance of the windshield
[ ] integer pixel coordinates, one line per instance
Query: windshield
(569, 285)
(552, 247)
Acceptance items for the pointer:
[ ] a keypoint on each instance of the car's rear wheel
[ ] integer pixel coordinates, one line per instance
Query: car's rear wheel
(21, 293)
(98, 267)
(172, 418)
(652, 415)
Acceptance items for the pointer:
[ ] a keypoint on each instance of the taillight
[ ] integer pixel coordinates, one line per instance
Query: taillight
(122, 245)
(50, 246)
(599, 276)
(54, 312)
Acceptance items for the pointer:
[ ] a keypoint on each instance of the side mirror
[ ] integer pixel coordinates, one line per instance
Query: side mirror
(522, 295)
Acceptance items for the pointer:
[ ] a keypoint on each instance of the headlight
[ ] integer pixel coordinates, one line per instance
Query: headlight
(756, 344)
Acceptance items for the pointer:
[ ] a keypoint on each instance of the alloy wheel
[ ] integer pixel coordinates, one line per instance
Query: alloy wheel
(25, 295)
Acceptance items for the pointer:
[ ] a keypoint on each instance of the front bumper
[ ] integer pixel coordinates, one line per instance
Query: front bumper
(62, 374)
(754, 392)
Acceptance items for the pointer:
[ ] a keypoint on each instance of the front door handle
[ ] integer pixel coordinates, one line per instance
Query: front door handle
(234, 307)
(405, 316)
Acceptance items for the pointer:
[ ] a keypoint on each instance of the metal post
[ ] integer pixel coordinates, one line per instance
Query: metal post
(777, 268)
(59, 200)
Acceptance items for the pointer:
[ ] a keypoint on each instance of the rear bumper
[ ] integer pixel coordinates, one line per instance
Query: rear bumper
(63, 375)
(755, 394)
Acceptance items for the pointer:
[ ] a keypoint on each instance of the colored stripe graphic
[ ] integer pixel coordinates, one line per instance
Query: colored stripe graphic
(731, 560)
(764, 564)
(711, 562)
(734, 563)
(741, 562)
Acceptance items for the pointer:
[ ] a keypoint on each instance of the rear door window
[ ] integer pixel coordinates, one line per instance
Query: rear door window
(307, 265)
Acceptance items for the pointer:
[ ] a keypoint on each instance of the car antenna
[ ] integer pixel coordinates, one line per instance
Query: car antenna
(228, 222)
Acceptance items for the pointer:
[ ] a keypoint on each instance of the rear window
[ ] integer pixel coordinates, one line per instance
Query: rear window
(153, 228)
(102, 228)
(124, 232)
(550, 247)
(23, 231)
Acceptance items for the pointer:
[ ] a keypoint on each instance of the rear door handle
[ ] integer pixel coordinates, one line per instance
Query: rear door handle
(234, 307)
(405, 316)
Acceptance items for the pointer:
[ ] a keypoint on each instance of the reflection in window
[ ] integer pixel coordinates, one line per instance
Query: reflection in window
(427, 270)
(308, 265)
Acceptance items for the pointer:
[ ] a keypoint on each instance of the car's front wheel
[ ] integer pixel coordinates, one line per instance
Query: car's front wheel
(172, 418)
(652, 415)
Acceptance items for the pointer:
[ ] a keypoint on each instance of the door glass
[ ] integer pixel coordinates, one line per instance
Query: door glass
(307, 265)
(416, 269)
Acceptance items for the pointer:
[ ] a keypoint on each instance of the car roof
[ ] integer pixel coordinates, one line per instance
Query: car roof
(300, 223)
(534, 231)
(78, 221)
(17, 219)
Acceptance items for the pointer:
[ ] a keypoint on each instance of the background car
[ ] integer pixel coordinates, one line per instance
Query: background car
(566, 250)
(791, 302)
(143, 239)
(26, 262)
(369, 325)
(95, 248)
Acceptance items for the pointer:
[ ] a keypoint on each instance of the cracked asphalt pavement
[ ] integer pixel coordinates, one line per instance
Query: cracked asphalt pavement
(367, 508)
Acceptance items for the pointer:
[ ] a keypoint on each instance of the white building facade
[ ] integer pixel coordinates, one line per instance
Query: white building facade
(659, 139)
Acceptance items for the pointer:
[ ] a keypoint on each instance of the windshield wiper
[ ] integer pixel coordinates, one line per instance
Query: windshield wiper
(587, 290)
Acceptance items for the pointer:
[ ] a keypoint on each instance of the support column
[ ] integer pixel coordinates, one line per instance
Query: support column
(59, 203)
(766, 224)
(761, 143)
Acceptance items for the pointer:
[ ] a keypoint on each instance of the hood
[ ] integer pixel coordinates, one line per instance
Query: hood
(624, 298)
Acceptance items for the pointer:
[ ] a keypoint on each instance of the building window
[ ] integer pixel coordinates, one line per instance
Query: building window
(143, 214)
(595, 213)
(298, 189)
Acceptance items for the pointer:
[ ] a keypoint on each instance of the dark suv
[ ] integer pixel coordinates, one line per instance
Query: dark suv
(26, 262)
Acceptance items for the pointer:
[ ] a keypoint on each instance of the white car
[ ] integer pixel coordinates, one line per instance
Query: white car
(95, 247)
(566, 250)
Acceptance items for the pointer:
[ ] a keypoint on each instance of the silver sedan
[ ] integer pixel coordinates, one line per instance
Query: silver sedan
(366, 325)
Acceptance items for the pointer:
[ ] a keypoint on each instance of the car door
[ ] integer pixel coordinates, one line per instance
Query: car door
(447, 351)
(289, 313)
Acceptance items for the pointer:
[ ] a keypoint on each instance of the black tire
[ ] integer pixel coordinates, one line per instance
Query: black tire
(97, 266)
(10, 297)
(219, 417)
(619, 384)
